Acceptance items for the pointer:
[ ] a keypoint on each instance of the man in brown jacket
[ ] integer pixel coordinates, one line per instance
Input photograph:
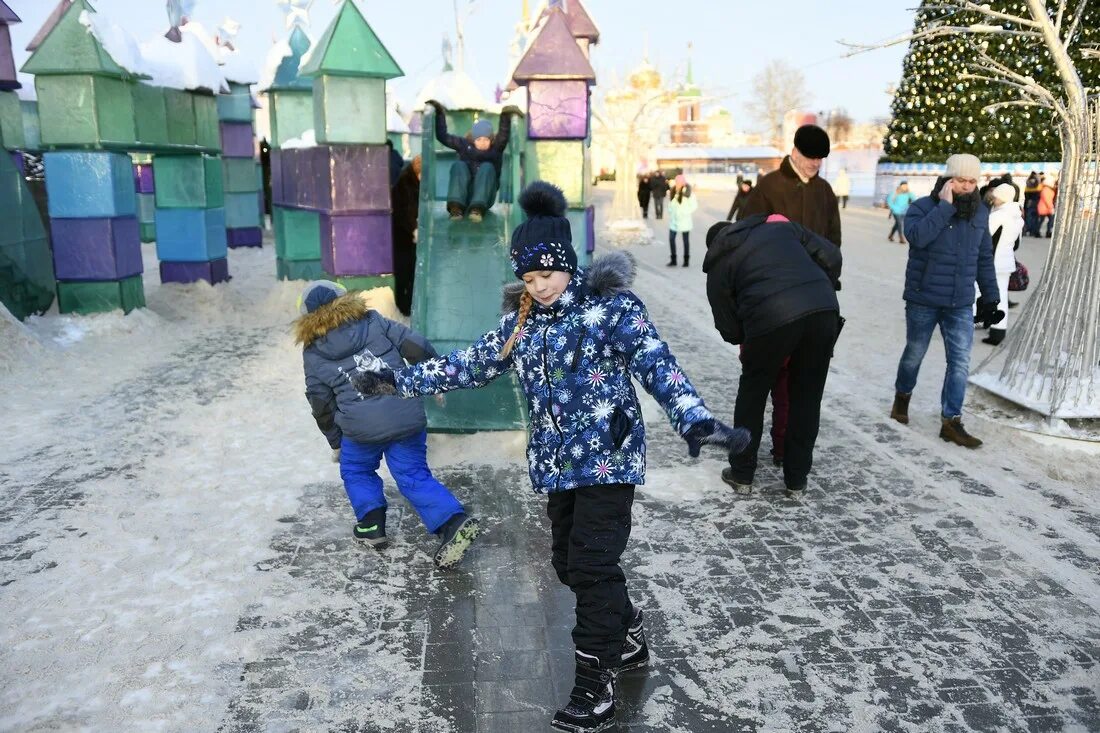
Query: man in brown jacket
(797, 192)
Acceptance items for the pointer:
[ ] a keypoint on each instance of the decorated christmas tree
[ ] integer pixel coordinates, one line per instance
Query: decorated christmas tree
(940, 104)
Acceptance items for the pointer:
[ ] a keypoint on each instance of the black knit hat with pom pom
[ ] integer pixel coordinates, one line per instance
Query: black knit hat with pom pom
(544, 241)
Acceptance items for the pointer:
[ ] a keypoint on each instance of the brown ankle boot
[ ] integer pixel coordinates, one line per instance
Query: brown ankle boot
(900, 410)
(954, 432)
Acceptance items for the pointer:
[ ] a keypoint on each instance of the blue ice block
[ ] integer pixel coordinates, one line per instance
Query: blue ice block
(190, 235)
(90, 185)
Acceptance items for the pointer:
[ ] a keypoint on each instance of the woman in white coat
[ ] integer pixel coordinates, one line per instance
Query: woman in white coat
(1006, 222)
(680, 211)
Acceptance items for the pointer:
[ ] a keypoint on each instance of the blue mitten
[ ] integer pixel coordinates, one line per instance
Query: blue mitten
(715, 432)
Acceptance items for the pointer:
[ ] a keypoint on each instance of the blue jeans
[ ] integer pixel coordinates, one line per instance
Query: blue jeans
(957, 328)
(407, 460)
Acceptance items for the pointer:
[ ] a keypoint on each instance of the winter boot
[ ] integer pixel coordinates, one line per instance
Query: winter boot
(671, 262)
(635, 650)
(371, 529)
(591, 705)
(796, 491)
(996, 336)
(455, 211)
(900, 410)
(685, 261)
(954, 432)
(457, 533)
(740, 488)
(475, 216)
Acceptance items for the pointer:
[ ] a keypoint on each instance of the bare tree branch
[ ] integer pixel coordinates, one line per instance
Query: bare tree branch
(1076, 21)
(991, 108)
(961, 5)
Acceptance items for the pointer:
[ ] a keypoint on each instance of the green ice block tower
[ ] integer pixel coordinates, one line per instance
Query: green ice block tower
(290, 110)
(556, 71)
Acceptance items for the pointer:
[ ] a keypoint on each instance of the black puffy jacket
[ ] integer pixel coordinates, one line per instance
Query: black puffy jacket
(762, 276)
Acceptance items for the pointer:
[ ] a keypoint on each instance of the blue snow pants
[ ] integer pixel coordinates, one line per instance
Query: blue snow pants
(407, 460)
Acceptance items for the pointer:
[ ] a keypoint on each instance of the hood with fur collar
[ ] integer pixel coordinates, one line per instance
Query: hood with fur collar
(606, 277)
(312, 326)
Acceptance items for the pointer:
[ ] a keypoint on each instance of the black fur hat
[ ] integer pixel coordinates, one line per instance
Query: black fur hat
(544, 241)
(812, 141)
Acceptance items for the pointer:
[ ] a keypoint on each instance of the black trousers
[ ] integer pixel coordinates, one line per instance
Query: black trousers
(658, 206)
(589, 527)
(672, 244)
(808, 342)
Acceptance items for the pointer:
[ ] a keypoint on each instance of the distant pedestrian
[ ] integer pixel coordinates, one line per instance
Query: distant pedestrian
(772, 288)
(340, 337)
(643, 194)
(1032, 188)
(744, 188)
(842, 187)
(681, 209)
(898, 203)
(658, 186)
(949, 248)
(1005, 225)
(1048, 195)
(405, 201)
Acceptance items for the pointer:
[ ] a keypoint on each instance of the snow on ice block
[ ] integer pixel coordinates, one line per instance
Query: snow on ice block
(89, 185)
(207, 133)
(338, 178)
(349, 110)
(143, 178)
(297, 234)
(235, 106)
(180, 106)
(101, 297)
(213, 271)
(361, 282)
(89, 111)
(557, 110)
(190, 235)
(240, 175)
(242, 211)
(12, 135)
(291, 114)
(237, 139)
(96, 249)
(151, 116)
(188, 182)
(357, 244)
(245, 236)
(298, 269)
(560, 162)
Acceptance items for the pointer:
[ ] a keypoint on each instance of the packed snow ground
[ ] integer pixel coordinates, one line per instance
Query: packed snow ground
(176, 552)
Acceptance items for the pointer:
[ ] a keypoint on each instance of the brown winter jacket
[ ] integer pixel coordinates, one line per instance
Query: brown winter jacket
(813, 204)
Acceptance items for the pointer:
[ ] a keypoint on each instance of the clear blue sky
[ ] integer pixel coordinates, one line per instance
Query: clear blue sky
(732, 39)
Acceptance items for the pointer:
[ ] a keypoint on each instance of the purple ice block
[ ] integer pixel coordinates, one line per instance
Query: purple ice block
(143, 178)
(245, 237)
(277, 198)
(357, 244)
(237, 139)
(96, 249)
(338, 178)
(213, 271)
(558, 110)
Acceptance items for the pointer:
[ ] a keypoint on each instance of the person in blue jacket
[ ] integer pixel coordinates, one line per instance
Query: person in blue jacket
(949, 248)
(341, 336)
(575, 338)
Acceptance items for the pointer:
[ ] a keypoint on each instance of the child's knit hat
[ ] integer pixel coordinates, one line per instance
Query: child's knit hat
(319, 293)
(544, 241)
(482, 128)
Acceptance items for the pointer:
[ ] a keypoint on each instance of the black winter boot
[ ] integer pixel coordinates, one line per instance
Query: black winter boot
(996, 336)
(635, 650)
(457, 533)
(591, 705)
(671, 262)
(371, 529)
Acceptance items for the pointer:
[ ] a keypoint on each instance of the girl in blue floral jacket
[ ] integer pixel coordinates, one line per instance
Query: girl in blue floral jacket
(575, 339)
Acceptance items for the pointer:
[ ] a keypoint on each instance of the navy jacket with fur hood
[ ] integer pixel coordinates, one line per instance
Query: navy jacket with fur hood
(344, 337)
(575, 359)
(762, 276)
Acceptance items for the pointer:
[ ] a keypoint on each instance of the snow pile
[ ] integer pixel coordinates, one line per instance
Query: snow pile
(19, 342)
(307, 140)
(116, 41)
(454, 90)
(626, 233)
(234, 66)
(394, 121)
(275, 56)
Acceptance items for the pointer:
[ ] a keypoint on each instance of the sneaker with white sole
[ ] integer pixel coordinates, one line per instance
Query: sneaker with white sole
(740, 488)
(635, 649)
(371, 529)
(457, 533)
(591, 705)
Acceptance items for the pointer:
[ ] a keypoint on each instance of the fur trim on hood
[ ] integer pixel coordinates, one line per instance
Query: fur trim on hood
(312, 326)
(606, 277)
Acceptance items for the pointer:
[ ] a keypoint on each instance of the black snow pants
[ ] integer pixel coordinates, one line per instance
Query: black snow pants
(589, 528)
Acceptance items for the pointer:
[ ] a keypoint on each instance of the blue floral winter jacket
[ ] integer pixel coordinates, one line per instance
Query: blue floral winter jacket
(574, 360)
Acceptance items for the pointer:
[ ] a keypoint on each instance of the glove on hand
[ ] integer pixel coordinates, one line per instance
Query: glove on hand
(379, 381)
(335, 455)
(987, 313)
(715, 432)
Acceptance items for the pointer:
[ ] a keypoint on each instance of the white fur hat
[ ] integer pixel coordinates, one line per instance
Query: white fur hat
(1004, 193)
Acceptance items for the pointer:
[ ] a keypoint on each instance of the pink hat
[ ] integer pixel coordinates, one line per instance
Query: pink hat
(680, 180)
(776, 219)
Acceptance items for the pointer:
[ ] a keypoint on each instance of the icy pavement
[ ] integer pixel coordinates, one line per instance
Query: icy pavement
(176, 549)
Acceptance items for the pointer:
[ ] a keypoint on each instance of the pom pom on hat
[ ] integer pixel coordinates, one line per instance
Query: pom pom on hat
(545, 240)
(542, 199)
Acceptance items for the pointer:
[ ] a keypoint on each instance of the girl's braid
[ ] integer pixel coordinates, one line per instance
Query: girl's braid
(525, 303)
